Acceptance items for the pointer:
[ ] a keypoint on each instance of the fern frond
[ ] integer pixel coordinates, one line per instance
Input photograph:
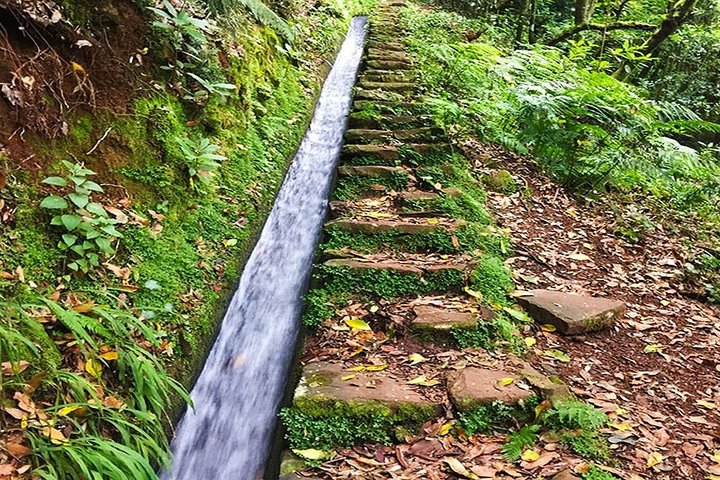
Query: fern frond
(519, 441)
(262, 13)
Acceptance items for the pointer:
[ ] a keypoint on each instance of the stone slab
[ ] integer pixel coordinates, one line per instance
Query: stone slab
(429, 317)
(571, 314)
(369, 171)
(382, 225)
(472, 387)
(324, 381)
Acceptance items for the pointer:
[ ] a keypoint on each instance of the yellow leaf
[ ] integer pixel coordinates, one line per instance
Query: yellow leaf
(530, 342)
(474, 294)
(706, 404)
(56, 436)
(652, 348)
(359, 368)
(716, 456)
(109, 356)
(357, 324)
(580, 257)
(313, 454)
(68, 410)
(374, 309)
(77, 67)
(347, 377)
(433, 221)
(423, 381)
(507, 381)
(655, 458)
(557, 354)
(416, 358)
(622, 426)
(711, 476)
(376, 368)
(530, 455)
(94, 368)
(549, 327)
(445, 429)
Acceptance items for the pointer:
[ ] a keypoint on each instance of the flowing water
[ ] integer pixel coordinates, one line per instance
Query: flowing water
(227, 435)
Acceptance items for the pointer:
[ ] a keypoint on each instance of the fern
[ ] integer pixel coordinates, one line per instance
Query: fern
(574, 414)
(259, 10)
(520, 440)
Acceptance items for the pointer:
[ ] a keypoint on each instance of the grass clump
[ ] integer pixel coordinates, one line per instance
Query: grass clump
(349, 188)
(305, 431)
(320, 305)
(492, 279)
(491, 335)
(497, 416)
(387, 283)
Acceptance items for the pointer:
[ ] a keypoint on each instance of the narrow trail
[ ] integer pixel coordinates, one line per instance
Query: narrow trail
(391, 343)
(227, 434)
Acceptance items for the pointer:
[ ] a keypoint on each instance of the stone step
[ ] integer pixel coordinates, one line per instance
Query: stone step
(571, 314)
(414, 265)
(441, 320)
(388, 65)
(395, 108)
(379, 95)
(390, 55)
(383, 76)
(392, 152)
(408, 226)
(387, 45)
(366, 136)
(400, 87)
(369, 171)
(361, 120)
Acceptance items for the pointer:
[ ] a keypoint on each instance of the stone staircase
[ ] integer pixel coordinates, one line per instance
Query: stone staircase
(416, 281)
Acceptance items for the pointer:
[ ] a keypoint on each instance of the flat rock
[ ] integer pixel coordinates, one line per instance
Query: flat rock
(378, 94)
(395, 55)
(323, 381)
(369, 135)
(387, 86)
(472, 387)
(396, 266)
(359, 121)
(384, 225)
(440, 319)
(571, 314)
(388, 65)
(369, 171)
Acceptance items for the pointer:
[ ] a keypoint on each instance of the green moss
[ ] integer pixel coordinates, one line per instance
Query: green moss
(320, 305)
(492, 279)
(499, 332)
(348, 188)
(81, 129)
(501, 181)
(387, 283)
(497, 416)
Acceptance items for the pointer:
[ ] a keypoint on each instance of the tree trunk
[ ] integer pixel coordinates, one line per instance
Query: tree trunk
(584, 10)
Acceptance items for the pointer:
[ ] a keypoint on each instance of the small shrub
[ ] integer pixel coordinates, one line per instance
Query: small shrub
(89, 230)
(202, 161)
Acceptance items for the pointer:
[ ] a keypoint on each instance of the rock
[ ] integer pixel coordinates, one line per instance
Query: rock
(500, 181)
(390, 152)
(357, 120)
(369, 171)
(366, 135)
(394, 55)
(322, 385)
(472, 387)
(388, 45)
(571, 314)
(387, 107)
(565, 475)
(398, 266)
(295, 476)
(388, 65)
(431, 318)
(404, 87)
(380, 225)
(377, 94)
(290, 463)
(550, 388)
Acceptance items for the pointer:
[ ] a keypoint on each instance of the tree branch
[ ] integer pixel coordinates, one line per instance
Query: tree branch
(571, 32)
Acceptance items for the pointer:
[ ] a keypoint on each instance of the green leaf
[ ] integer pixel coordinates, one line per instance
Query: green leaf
(57, 181)
(110, 230)
(96, 208)
(518, 315)
(71, 221)
(104, 245)
(79, 200)
(93, 186)
(69, 239)
(54, 202)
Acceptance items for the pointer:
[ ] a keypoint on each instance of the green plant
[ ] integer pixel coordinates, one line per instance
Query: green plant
(520, 440)
(201, 159)
(490, 335)
(259, 10)
(492, 279)
(574, 414)
(596, 473)
(305, 431)
(89, 230)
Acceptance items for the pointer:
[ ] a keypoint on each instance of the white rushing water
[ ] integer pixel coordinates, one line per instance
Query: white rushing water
(227, 435)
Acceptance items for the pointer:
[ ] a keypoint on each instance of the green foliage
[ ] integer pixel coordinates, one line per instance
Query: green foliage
(259, 10)
(89, 230)
(496, 416)
(492, 278)
(320, 305)
(520, 440)
(596, 473)
(574, 414)
(348, 188)
(387, 283)
(305, 431)
(491, 335)
(202, 161)
(586, 443)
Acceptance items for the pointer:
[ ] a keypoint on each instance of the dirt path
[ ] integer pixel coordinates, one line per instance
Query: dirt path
(660, 364)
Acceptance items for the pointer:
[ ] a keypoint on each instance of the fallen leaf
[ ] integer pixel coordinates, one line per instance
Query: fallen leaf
(56, 436)
(423, 381)
(580, 257)
(459, 468)
(557, 354)
(655, 458)
(416, 358)
(314, 454)
(109, 356)
(530, 455)
(357, 324)
(94, 368)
